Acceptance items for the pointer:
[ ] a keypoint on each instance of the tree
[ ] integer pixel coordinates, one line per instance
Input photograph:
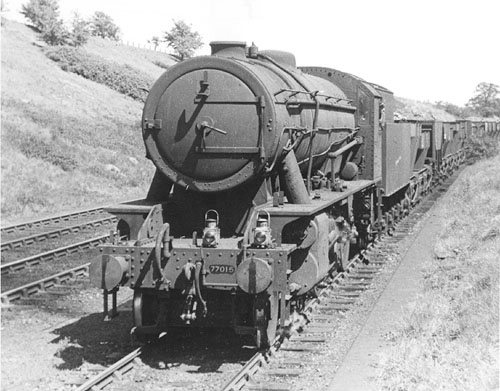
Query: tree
(44, 16)
(80, 30)
(102, 25)
(55, 33)
(41, 13)
(183, 40)
(455, 110)
(155, 41)
(486, 101)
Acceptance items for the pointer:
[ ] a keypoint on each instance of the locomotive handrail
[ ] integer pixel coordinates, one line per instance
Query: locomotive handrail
(330, 106)
(303, 130)
(312, 94)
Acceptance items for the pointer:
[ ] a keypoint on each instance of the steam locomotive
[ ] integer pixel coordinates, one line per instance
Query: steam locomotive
(266, 175)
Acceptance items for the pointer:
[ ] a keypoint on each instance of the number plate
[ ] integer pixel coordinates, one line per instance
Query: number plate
(221, 269)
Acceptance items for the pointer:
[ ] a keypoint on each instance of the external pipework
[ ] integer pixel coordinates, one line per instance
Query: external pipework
(291, 178)
(197, 284)
(313, 133)
(162, 249)
(335, 186)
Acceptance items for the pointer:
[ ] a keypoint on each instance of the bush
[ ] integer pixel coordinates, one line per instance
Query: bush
(51, 152)
(122, 78)
(481, 147)
(161, 64)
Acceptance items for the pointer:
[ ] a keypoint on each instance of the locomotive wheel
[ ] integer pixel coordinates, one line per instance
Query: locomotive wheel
(266, 313)
(145, 312)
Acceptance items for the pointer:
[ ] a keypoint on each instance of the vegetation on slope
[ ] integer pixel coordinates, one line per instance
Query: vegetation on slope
(66, 141)
(122, 78)
(450, 339)
(414, 110)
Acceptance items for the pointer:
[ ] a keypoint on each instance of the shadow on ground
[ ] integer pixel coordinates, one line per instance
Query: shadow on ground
(91, 340)
(205, 350)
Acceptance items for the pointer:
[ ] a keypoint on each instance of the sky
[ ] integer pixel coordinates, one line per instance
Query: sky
(428, 50)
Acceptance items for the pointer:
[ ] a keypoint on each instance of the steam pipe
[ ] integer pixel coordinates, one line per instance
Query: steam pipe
(314, 130)
(293, 183)
(338, 152)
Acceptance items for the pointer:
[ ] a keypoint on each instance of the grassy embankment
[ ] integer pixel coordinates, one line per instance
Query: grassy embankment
(449, 339)
(67, 141)
(416, 110)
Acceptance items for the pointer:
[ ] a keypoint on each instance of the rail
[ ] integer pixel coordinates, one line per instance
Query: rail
(59, 218)
(52, 254)
(50, 220)
(33, 288)
(55, 234)
(105, 377)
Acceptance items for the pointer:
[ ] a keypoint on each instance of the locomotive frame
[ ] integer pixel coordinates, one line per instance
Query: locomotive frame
(244, 218)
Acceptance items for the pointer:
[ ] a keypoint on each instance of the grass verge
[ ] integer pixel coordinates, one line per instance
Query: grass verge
(449, 339)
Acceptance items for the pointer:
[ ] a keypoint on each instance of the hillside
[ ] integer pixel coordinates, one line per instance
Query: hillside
(66, 141)
(415, 110)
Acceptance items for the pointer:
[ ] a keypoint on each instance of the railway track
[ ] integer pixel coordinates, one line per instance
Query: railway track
(25, 290)
(120, 368)
(23, 248)
(273, 368)
(52, 254)
(307, 333)
(16, 228)
(56, 234)
(32, 288)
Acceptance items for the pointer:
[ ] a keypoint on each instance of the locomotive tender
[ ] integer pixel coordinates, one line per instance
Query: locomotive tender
(265, 175)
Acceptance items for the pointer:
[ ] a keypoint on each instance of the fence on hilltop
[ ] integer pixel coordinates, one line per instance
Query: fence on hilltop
(145, 46)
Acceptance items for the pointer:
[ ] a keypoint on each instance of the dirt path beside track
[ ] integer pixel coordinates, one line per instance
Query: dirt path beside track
(358, 371)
